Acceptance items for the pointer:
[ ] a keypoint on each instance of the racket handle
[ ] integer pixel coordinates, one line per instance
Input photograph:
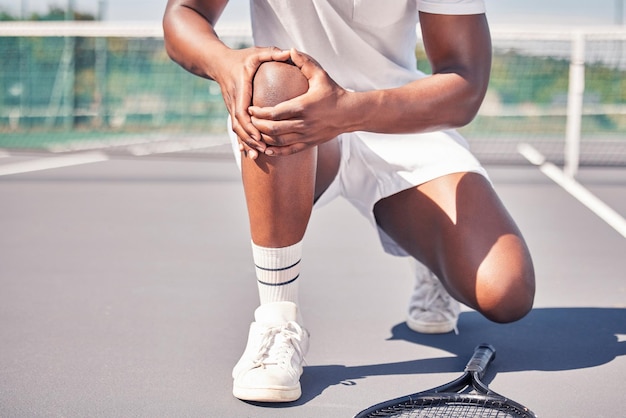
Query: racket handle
(483, 355)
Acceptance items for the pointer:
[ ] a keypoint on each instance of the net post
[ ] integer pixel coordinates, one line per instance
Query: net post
(575, 95)
(61, 103)
(100, 70)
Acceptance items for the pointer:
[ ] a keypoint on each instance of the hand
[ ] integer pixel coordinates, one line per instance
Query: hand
(308, 120)
(235, 80)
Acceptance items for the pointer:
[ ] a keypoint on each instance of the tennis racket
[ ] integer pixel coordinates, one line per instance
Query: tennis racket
(467, 396)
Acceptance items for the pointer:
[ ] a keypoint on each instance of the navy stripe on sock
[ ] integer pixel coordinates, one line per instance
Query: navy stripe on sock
(279, 284)
(278, 269)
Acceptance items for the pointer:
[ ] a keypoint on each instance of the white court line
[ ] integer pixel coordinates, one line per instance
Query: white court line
(584, 196)
(52, 162)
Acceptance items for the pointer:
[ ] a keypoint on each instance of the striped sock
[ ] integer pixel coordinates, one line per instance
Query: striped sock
(277, 271)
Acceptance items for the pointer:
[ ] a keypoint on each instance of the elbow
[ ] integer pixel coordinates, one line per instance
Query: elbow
(166, 26)
(171, 52)
(173, 36)
(464, 98)
(172, 44)
(466, 109)
(465, 114)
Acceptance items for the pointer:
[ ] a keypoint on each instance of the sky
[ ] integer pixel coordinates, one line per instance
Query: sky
(544, 12)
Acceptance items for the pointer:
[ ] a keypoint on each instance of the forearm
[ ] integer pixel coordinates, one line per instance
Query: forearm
(190, 39)
(440, 101)
(459, 50)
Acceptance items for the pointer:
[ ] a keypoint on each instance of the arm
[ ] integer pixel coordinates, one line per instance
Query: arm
(191, 41)
(459, 49)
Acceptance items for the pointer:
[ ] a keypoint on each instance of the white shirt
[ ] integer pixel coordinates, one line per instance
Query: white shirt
(362, 44)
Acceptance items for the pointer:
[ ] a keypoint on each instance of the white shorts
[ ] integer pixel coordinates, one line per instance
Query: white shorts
(374, 166)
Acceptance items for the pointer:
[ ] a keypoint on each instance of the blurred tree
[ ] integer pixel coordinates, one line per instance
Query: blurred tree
(54, 13)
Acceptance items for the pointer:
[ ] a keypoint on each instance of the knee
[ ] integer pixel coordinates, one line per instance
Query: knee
(276, 82)
(506, 298)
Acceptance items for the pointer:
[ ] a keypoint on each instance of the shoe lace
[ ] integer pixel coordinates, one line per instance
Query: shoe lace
(430, 295)
(277, 344)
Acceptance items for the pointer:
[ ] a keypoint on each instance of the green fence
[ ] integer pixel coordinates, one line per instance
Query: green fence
(67, 86)
(60, 89)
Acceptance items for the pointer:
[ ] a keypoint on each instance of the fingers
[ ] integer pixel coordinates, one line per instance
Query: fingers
(239, 99)
(291, 110)
(235, 98)
(280, 55)
(286, 150)
(247, 143)
(283, 140)
(279, 133)
(270, 53)
(276, 130)
(248, 134)
(248, 152)
(304, 62)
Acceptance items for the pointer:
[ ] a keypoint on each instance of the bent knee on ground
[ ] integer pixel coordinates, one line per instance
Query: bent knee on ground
(276, 82)
(505, 298)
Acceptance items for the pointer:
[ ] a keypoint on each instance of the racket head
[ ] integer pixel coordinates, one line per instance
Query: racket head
(448, 405)
(448, 400)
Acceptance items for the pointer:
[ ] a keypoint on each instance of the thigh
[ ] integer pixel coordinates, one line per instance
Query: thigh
(328, 161)
(459, 228)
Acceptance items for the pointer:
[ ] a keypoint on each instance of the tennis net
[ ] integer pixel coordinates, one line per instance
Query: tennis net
(77, 85)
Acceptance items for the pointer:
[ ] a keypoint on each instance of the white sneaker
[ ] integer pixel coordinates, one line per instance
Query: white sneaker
(270, 368)
(431, 309)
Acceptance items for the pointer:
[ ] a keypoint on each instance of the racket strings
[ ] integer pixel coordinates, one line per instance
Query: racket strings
(452, 407)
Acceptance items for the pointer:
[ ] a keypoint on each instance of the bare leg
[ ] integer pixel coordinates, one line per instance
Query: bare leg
(280, 191)
(457, 226)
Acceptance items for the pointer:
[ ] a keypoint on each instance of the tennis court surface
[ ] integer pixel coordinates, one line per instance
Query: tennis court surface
(126, 290)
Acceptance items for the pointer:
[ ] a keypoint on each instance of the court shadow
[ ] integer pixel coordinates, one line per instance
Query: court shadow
(548, 339)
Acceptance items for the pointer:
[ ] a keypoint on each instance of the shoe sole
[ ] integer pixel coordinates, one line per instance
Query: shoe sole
(268, 394)
(430, 327)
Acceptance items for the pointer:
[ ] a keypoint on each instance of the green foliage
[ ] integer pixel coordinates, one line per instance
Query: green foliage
(520, 78)
(608, 85)
(131, 85)
(6, 16)
(54, 13)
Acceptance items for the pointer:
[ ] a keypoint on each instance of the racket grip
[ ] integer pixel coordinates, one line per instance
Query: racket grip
(483, 355)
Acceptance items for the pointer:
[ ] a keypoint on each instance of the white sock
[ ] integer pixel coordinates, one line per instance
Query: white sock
(277, 271)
